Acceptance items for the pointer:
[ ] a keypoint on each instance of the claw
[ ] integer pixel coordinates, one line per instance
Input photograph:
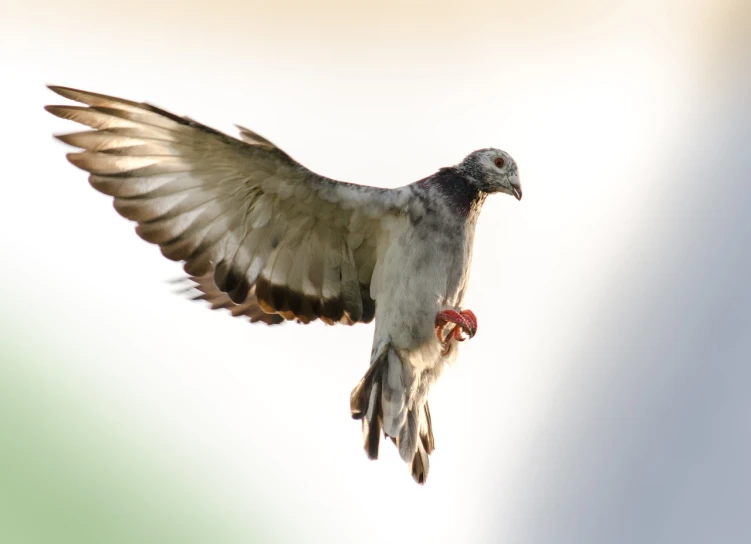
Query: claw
(465, 326)
(471, 319)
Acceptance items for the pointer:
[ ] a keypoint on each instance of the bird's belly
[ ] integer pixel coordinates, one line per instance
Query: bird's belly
(418, 281)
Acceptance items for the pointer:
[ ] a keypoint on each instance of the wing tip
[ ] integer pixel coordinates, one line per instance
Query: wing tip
(57, 88)
(67, 92)
(57, 111)
(77, 159)
(90, 98)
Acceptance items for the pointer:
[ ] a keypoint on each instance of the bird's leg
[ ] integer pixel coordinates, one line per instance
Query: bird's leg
(465, 323)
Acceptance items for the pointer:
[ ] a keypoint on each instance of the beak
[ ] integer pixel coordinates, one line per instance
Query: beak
(516, 187)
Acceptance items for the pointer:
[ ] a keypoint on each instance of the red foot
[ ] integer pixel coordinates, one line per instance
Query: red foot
(465, 323)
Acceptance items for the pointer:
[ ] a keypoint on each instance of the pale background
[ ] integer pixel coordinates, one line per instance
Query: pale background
(605, 398)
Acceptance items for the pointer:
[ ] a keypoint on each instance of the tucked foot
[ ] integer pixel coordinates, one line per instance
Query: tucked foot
(465, 325)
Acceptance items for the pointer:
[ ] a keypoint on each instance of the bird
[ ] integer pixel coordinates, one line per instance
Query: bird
(265, 237)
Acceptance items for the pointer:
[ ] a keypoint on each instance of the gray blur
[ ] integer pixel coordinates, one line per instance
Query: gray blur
(650, 438)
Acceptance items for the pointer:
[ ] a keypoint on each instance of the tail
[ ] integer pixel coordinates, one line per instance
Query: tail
(385, 400)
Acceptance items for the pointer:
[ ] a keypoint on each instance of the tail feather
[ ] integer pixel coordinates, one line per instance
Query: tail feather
(383, 401)
(421, 461)
(394, 395)
(420, 465)
(371, 424)
(426, 430)
(406, 440)
(365, 404)
(359, 399)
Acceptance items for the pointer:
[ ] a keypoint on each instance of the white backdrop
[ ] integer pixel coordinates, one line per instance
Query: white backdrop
(604, 398)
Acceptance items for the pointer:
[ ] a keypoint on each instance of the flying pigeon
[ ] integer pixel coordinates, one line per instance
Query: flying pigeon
(265, 237)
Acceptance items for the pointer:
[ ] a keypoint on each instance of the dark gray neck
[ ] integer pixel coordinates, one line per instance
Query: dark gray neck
(460, 194)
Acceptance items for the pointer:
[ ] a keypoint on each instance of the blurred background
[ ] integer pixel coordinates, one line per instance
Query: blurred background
(605, 397)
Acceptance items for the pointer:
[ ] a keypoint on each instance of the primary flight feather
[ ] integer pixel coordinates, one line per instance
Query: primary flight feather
(266, 238)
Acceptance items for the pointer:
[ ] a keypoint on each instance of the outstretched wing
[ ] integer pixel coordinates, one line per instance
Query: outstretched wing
(273, 235)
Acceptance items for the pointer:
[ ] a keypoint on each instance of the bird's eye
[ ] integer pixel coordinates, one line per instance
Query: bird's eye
(499, 162)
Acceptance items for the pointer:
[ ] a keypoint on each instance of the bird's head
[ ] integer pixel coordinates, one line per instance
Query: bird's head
(493, 171)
